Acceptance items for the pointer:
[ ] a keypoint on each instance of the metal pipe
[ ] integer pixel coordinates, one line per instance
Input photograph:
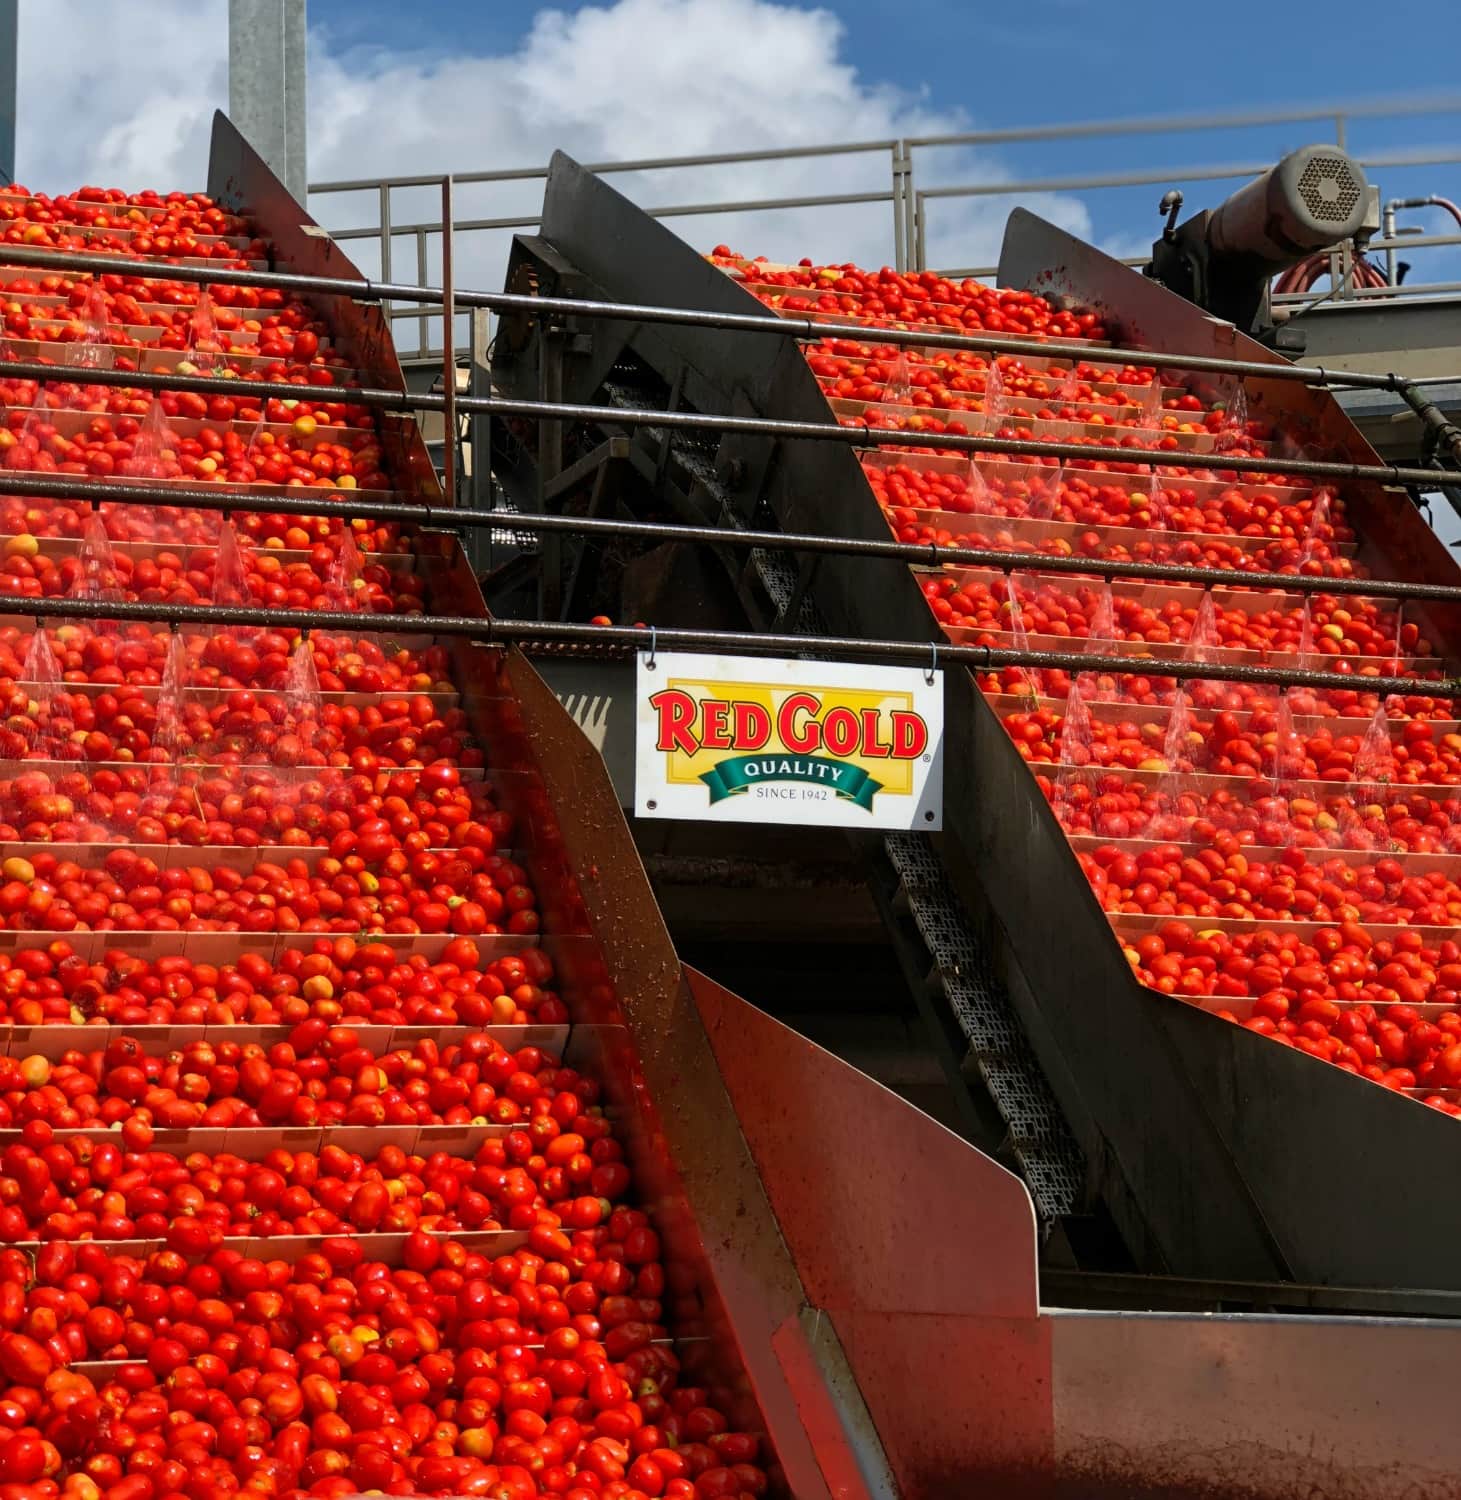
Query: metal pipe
(1078, 130)
(870, 438)
(221, 385)
(804, 328)
(1441, 434)
(385, 231)
(1431, 200)
(935, 556)
(9, 57)
(1166, 174)
(900, 254)
(297, 502)
(448, 349)
(1157, 125)
(661, 211)
(562, 633)
(647, 164)
(1406, 239)
(1437, 424)
(369, 232)
(423, 334)
(819, 432)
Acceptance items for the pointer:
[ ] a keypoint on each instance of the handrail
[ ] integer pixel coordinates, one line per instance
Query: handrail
(302, 502)
(546, 633)
(1376, 109)
(908, 190)
(820, 432)
(1399, 242)
(799, 327)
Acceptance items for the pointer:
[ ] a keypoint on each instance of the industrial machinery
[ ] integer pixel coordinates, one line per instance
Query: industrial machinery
(1225, 259)
(1157, 1118)
(361, 1129)
(314, 863)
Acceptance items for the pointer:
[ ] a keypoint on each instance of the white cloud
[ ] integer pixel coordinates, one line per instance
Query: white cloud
(631, 79)
(117, 97)
(1129, 244)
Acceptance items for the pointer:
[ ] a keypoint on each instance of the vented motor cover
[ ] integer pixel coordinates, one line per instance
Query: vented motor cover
(1313, 198)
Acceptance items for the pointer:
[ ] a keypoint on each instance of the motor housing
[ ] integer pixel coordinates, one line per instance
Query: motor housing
(1223, 259)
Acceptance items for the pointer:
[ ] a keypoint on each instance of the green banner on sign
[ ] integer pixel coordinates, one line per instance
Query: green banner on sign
(740, 772)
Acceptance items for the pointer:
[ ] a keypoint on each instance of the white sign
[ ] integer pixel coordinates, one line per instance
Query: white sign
(745, 739)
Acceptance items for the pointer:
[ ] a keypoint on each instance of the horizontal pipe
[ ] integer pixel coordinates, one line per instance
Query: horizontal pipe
(549, 633)
(959, 273)
(804, 328)
(929, 653)
(934, 556)
(977, 443)
(1414, 292)
(460, 226)
(1176, 124)
(660, 211)
(294, 500)
(298, 501)
(222, 385)
(1078, 130)
(1447, 156)
(1081, 184)
(820, 432)
(647, 164)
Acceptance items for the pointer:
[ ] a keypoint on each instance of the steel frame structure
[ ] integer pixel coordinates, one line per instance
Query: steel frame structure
(870, 1276)
(1091, 1054)
(553, 411)
(909, 194)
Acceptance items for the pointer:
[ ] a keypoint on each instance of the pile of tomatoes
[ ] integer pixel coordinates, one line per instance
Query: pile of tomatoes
(281, 980)
(1227, 813)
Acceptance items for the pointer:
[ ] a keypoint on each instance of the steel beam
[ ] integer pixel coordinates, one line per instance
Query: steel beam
(9, 53)
(1421, 336)
(266, 83)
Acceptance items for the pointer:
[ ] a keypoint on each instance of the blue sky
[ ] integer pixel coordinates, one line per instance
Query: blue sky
(1067, 61)
(458, 85)
(1071, 60)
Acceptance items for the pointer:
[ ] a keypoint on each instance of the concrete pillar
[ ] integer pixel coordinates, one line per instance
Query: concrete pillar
(266, 83)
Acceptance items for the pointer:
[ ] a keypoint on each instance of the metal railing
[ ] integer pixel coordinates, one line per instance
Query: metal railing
(914, 186)
(809, 327)
(547, 634)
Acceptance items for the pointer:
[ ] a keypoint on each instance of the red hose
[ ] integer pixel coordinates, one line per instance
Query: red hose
(1450, 208)
(1303, 276)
